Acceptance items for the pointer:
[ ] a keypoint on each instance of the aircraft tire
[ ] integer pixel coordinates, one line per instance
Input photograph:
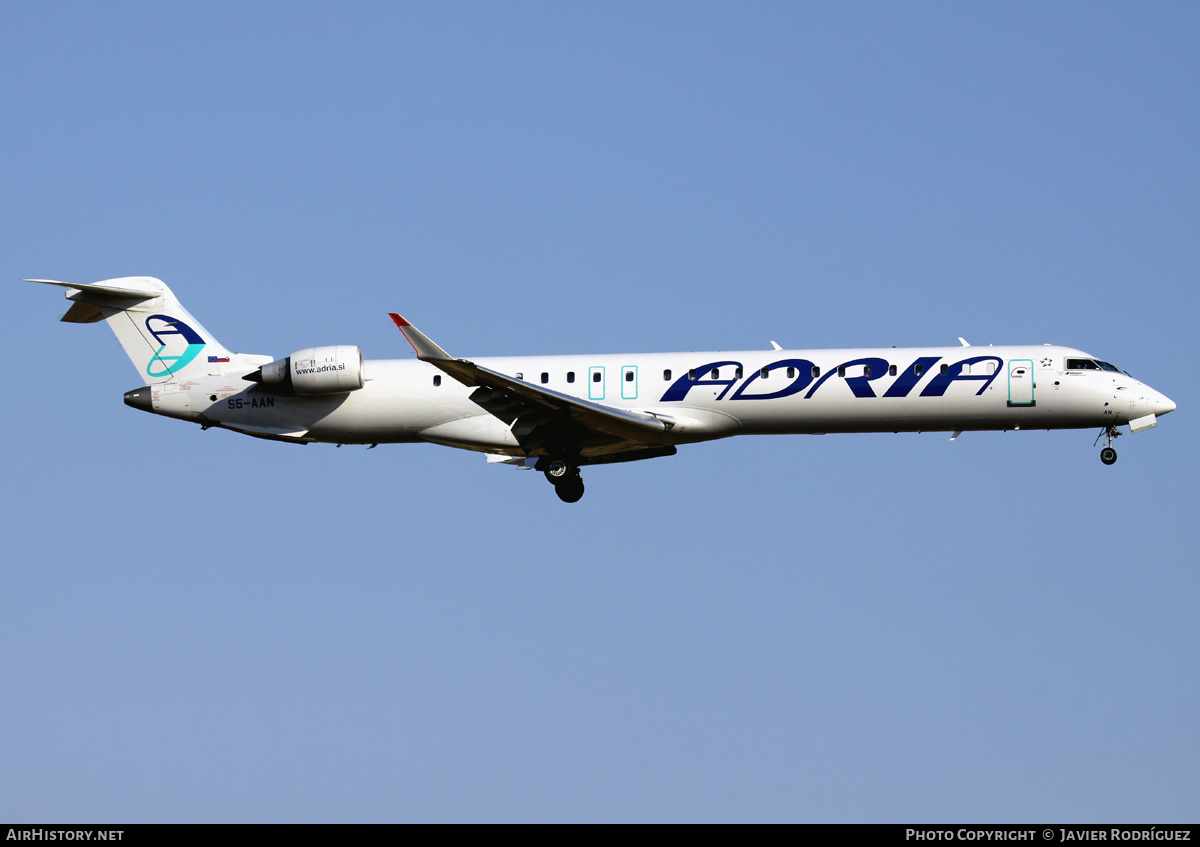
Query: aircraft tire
(570, 491)
(1108, 455)
(559, 470)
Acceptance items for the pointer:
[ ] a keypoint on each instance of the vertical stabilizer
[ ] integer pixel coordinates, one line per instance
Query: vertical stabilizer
(161, 338)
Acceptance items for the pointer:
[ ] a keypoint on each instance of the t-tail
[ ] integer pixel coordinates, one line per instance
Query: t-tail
(161, 338)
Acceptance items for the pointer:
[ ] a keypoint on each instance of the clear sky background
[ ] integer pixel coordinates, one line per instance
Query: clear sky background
(200, 626)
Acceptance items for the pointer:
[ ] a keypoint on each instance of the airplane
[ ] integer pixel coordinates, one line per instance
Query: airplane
(556, 414)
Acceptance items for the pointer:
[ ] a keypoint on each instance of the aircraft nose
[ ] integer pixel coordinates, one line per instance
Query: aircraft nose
(1163, 404)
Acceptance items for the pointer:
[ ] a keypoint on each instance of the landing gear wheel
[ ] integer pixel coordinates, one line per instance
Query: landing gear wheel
(559, 470)
(1108, 455)
(570, 490)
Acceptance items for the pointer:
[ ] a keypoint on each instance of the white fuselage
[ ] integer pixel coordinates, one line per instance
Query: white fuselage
(700, 396)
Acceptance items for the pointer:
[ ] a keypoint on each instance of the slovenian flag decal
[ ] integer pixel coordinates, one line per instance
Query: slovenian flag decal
(212, 359)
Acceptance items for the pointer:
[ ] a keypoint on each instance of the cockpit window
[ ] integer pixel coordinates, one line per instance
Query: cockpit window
(1093, 365)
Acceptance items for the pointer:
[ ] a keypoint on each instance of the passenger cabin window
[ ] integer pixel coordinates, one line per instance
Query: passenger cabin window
(816, 372)
(570, 376)
(866, 370)
(791, 372)
(629, 376)
(945, 369)
(692, 374)
(545, 377)
(437, 380)
(841, 370)
(737, 373)
(667, 375)
(716, 373)
(596, 376)
(919, 369)
(891, 370)
(764, 373)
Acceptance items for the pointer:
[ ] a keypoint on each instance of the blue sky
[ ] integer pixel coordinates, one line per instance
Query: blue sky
(199, 626)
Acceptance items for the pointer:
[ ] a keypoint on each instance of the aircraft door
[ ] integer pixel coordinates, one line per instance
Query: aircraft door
(1020, 382)
(629, 386)
(596, 383)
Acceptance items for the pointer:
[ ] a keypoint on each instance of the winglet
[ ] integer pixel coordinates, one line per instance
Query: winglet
(426, 350)
(964, 341)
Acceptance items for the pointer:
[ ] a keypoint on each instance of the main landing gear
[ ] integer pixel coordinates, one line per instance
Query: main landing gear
(565, 478)
(1108, 455)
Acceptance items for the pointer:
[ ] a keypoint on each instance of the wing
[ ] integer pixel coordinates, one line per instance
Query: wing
(542, 421)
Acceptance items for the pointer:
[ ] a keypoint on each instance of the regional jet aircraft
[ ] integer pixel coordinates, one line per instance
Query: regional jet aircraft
(559, 413)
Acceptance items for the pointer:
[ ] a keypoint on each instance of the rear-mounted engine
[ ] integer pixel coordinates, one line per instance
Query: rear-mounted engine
(314, 370)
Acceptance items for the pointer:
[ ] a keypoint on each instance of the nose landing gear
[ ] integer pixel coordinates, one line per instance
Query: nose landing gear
(1108, 455)
(565, 478)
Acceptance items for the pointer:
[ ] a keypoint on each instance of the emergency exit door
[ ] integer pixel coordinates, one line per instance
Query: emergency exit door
(629, 386)
(596, 383)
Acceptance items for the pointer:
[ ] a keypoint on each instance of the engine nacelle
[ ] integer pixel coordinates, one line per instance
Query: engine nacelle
(314, 370)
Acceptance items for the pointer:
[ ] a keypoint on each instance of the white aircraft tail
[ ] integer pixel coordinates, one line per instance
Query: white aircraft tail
(161, 338)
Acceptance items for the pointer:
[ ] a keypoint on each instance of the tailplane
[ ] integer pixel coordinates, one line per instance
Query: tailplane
(161, 338)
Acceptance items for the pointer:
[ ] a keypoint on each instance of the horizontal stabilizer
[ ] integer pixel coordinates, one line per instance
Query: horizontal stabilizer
(131, 286)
